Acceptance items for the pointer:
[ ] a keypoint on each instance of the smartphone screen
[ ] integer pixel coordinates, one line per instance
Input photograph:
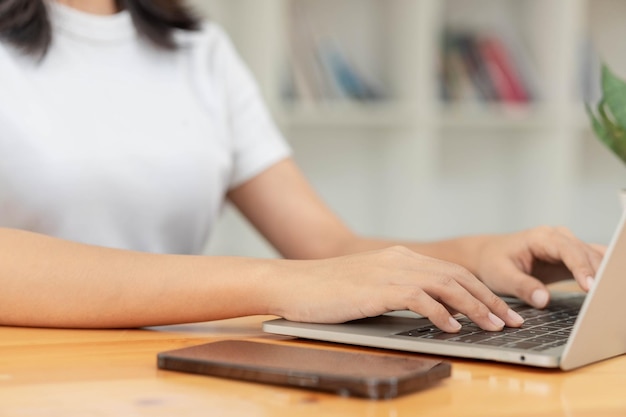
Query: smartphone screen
(349, 373)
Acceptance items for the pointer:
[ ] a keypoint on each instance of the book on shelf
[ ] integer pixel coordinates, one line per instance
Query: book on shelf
(457, 82)
(348, 81)
(501, 70)
(483, 67)
(474, 62)
(320, 69)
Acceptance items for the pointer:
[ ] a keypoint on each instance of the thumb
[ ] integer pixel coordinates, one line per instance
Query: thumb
(530, 290)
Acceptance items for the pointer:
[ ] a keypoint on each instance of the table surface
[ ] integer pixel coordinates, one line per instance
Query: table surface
(58, 372)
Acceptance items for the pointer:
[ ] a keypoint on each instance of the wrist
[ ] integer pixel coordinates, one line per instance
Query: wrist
(464, 251)
(472, 248)
(268, 289)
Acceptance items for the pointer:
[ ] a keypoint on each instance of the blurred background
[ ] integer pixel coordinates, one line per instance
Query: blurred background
(427, 119)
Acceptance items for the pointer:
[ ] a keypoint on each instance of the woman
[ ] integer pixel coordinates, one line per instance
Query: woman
(123, 127)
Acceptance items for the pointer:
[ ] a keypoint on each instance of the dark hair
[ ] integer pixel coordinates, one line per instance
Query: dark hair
(25, 23)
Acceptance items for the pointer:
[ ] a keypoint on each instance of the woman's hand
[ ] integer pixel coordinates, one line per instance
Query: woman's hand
(372, 283)
(520, 264)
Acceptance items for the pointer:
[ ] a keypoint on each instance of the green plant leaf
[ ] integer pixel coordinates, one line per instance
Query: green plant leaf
(614, 94)
(613, 135)
(609, 124)
(599, 129)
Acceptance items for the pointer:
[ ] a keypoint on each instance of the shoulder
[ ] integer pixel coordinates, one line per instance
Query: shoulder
(210, 39)
(210, 51)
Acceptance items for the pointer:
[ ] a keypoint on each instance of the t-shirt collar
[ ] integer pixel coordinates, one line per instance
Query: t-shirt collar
(109, 28)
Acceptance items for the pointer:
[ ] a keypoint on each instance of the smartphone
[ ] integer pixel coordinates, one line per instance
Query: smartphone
(349, 373)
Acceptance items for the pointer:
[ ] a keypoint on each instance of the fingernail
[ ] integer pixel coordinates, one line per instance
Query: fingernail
(539, 298)
(455, 325)
(590, 282)
(496, 320)
(515, 317)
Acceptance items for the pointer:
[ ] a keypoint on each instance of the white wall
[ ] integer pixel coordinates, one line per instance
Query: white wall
(457, 178)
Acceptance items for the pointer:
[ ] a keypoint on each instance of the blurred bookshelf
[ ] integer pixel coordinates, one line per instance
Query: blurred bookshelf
(441, 117)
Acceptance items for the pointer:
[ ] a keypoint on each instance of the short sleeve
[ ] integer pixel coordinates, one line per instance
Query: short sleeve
(256, 141)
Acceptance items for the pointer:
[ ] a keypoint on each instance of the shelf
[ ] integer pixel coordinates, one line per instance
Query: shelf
(457, 116)
(395, 116)
(355, 115)
(450, 117)
(495, 116)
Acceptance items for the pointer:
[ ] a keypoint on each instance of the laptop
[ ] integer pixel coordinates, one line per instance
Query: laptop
(573, 331)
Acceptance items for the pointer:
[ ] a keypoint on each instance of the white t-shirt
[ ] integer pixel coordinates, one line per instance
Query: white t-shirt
(111, 141)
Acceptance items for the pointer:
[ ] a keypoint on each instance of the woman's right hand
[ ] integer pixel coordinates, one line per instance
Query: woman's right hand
(372, 283)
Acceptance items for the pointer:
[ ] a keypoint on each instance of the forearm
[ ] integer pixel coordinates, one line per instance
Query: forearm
(50, 282)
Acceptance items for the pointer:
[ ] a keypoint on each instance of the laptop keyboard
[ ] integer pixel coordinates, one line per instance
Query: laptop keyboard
(542, 329)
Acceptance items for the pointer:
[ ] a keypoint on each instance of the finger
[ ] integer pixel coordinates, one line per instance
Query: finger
(595, 255)
(443, 288)
(527, 288)
(481, 295)
(601, 249)
(595, 251)
(422, 303)
(558, 245)
(448, 290)
(583, 263)
(494, 303)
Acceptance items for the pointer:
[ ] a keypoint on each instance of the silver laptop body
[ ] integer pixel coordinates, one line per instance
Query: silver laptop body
(598, 332)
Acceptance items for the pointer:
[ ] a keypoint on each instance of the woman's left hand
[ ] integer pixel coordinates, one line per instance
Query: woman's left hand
(521, 264)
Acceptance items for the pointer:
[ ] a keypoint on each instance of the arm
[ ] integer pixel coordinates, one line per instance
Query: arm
(282, 205)
(46, 281)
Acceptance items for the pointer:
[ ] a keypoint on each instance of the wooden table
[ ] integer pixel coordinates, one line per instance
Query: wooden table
(52, 372)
